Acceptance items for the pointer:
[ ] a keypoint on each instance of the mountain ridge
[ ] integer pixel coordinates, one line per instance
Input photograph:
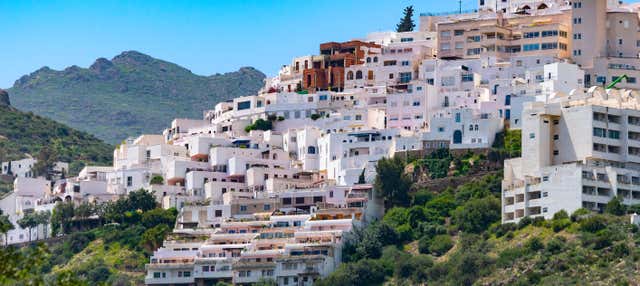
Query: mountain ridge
(130, 94)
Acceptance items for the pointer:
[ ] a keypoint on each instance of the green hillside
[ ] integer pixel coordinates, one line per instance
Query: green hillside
(26, 133)
(131, 94)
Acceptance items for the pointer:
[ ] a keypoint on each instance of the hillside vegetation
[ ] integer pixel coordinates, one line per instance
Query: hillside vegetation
(129, 95)
(26, 133)
(452, 235)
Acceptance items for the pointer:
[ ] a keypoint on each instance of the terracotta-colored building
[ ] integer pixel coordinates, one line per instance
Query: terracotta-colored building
(327, 71)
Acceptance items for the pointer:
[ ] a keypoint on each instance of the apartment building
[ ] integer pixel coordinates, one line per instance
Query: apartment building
(580, 150)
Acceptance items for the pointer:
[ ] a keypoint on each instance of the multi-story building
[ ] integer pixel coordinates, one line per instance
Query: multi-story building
(579, 150)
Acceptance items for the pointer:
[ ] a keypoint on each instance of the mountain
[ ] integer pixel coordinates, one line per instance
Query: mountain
(24, 133)
(130, 94)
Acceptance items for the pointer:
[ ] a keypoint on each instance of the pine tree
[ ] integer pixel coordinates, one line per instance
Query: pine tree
(406, 23)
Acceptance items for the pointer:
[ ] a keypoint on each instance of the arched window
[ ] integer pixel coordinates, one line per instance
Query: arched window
(275, 156)
(350, 75)
(359, 75)
(470, 127)
(475, 127)
(507, 100)
(542, 6)
(368, 59)
(375, 59)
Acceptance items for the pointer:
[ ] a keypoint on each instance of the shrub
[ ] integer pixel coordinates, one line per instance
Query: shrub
(500, 229)
(524, 222)
(423, 244)
(560, 224)
(621, 250)
(534, 244)
(562, 214)
(556, 245)
(580, 214)
(592, 224)
(477, 214)
(615, 207)
(440, 244)
(157, 180)
(315, 116)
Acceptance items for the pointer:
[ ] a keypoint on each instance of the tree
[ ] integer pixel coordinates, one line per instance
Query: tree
(159, 216)
(615, 207)
(43, 218)
(392, 183)
(157, 180)
(47, 158)
(141, 200)
(406, 23)
(259, 124)
(152, 238)
(28, 221)
(61, 217)
(477, 214)
(5, 226)
(361, 178)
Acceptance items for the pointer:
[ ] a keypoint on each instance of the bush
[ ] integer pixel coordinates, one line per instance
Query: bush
(315, 116)
(477, 214)
(501, 229)
(593, 224)
(580, 214)
(562, 214)
(157, 180)
(423, 244)
(556, 245)
(534, 244)
(615, 207)
(560, 224)
(524, 222)
(621, 250)
(440, 244)
(259, 124)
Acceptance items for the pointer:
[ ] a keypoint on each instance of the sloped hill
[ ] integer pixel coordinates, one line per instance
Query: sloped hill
(131, 94)
(26, 133)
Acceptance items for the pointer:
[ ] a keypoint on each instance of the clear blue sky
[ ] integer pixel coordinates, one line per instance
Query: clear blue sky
(206, 37)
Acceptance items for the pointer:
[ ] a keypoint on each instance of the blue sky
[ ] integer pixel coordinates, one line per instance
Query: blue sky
(206, 37)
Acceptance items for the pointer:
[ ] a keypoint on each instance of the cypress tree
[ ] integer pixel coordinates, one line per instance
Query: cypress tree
(406, 23)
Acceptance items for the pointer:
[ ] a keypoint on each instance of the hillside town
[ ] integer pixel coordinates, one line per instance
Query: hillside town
(268, 186)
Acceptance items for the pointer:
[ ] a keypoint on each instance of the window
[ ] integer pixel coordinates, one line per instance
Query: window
(532, 135)
(631, 80)
(129, 181)
(300, 200)
(599, 132)
(243, 208)
(577, 20)
(445, 46)
(530, 47)
(459, 45)
(614, 134)
(476, 51)
(550, 33)
(405, 63)
(389, 63)
(466, 77)
(266, 207)
(218, 213)
(156, 274)
(458, 32)
(244, 105)
(317, 199)
(549, 46)
(358, 74)
(528, 35)
(405, 77)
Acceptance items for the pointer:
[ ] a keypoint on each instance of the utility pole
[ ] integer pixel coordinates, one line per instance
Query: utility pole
(460, 6)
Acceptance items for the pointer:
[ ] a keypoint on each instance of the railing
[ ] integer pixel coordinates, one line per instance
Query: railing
(459, 12)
